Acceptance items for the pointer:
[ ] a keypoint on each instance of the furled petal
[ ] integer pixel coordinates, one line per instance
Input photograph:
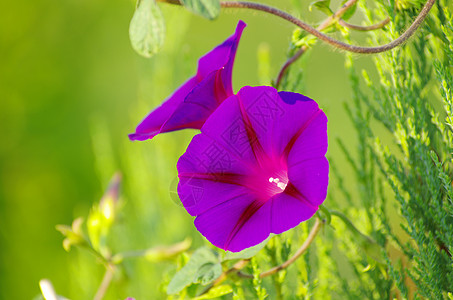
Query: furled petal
(197, 106)
(222, 58)
(150, 126)
(196, 99)
(258, 166)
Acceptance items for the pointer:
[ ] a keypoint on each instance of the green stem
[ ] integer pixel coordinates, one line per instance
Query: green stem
(106, 280)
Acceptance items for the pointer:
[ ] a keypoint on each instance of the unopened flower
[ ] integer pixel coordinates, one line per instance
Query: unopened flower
(257, 167)
(196, 99)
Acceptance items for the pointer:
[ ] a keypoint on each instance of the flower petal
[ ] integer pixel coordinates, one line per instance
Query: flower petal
(277, 118)
(237, 224)
(209, 174)
(220, 57)
(196, 107)
(196, 99)
(311, 178)
(288, 211)
(151, 124)
(258, 166)
(227, 127)
(308, 169)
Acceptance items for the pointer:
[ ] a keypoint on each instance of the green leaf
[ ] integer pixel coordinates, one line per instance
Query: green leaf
(209, 9)
(73, 234)
(322, 5)
(350, 12)
(194, 270)
(216, 292)
(247, 253)
(207, 273)
(147, 28)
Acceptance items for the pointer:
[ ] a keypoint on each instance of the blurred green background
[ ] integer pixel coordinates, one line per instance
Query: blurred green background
(71, 89)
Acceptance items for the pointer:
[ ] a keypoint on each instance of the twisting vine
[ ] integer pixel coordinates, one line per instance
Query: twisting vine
(336, 17)
(333, 42)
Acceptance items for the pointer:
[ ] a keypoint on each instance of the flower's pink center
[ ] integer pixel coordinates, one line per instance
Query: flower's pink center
(266, 184)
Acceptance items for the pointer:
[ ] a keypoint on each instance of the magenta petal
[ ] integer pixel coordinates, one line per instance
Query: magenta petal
(194, 101)
(258, 166)
(196, 107)
(150, 126)
(228, 129)
(288, 212)
(209, 175)
(255, 230)
(311, 178)
(277, 120)
(222, 57)
(237, 224)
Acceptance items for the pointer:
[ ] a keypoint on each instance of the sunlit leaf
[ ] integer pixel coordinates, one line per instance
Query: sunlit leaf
(216, 292)
(190, 273)
(322, 5)
(147, 28)
(207, 273)
(210, 9)
(249, 252)
(350, 12)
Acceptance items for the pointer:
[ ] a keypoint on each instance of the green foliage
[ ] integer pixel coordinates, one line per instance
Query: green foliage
(203, 267)
(147, 28)
(209, 9)
(247, 253)
(417, 166)
(402, 160)
(321, 5)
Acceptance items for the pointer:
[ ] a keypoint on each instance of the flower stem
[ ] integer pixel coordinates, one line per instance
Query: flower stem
(108, 276)
(333, 42)
(235, 269)
(364, 28)
(311, 237)
(327, 22)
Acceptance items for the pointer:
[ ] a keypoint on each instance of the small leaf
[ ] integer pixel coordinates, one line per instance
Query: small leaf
(322, 5)
(350, 12)
(209, 9)
(216, 292)
(249, 252)
(207, 273)
(190, 272)
(73, 234)
(147, 28)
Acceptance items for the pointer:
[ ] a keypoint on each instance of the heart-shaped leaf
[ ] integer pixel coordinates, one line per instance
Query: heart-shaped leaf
(147, 28)
(202, 262)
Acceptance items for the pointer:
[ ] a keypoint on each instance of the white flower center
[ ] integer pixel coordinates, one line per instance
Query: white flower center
(277, 181)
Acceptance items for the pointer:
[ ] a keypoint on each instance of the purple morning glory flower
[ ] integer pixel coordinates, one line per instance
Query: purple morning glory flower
(257, 167)
(197, 98)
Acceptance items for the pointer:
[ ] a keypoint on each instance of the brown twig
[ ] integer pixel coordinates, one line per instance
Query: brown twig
(327, 22)
(311, 236)
(234, 269)
(333, 42)
(364, 28)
